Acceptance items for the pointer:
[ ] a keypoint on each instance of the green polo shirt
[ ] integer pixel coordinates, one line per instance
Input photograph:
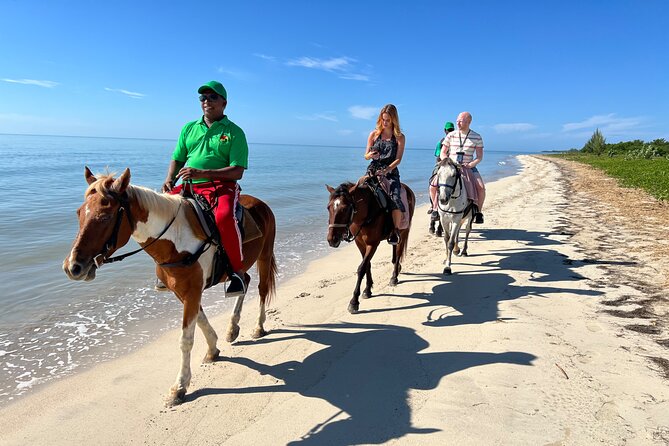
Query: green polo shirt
(437, 150)
(221, 145)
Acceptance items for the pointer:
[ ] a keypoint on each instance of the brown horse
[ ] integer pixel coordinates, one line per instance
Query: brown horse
(166, 227)
(355, 215)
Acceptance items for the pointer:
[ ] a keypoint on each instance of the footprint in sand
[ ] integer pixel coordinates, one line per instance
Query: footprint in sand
(325, 283)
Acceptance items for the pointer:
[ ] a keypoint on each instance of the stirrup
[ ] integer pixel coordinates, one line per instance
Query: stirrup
(237, 286)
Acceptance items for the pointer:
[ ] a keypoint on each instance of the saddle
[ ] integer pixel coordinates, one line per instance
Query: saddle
(380, 188)
(247, 226)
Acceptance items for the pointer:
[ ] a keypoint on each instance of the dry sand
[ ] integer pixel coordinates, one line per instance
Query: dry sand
(527, 343)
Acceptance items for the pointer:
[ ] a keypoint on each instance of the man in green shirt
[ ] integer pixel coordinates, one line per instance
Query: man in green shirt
(212, 152)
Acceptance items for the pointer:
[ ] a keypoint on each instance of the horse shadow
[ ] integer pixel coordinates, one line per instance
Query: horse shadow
(471, 298)
(531, 238)
(366, 374)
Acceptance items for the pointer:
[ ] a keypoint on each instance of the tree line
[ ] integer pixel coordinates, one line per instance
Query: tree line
(597, 145)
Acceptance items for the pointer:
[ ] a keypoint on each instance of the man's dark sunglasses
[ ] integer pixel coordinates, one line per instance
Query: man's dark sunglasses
(211, 97)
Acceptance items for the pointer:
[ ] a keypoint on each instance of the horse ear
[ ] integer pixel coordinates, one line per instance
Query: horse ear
(122, 182)
(329, 188)
(352, 188)
(90, 178)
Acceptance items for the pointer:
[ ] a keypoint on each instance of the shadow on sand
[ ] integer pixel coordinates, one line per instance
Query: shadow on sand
(367, 374)
(367, 370)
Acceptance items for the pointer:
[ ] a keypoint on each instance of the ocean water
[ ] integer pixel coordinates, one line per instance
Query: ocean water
(50, 326)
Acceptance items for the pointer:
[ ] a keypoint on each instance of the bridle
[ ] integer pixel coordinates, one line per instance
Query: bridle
(456, 183)
(348, 237)
(110, 244)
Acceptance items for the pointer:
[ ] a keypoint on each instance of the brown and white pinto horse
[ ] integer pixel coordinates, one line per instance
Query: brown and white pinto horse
(355, 215)
(168, 230)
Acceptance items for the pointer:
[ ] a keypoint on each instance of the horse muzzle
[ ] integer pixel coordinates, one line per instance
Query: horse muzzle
(77, 270)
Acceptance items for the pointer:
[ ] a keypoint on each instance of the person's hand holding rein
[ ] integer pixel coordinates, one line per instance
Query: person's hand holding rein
(189, 173)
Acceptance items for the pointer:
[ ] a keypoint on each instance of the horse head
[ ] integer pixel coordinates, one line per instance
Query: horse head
(448, 175)
(102, 226)
(341, 209)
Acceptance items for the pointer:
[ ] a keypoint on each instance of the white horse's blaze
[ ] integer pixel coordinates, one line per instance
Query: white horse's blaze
(336, 204)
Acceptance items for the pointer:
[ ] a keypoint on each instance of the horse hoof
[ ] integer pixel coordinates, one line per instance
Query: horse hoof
(353, 309)
(366, 295)
(175, 398)
(447, 270)
(211, 357)
(232, 334)
(258, 333)
(393, 281)
(464, 254)
(456, 252)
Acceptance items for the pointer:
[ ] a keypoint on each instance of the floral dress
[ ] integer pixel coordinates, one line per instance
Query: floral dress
(387, 150)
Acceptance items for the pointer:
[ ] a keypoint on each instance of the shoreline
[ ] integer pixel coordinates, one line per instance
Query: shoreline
(515, 336)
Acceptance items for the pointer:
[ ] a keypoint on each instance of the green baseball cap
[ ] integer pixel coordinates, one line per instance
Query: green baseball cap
(449, 126)
(217, 87)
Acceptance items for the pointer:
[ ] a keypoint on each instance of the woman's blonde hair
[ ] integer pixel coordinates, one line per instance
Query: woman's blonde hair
(394, 118)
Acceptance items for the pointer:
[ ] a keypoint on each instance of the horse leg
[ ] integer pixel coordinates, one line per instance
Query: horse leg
(266, 273)
(456, 244)
(367, 252)
(191, 311)
(397, 264)
(354, 304)
(233, 327)
(449, 241)
(210, 335)
(367, 292)
(467, 231)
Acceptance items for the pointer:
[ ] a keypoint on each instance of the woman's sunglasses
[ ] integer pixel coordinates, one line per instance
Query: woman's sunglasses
(210, 97)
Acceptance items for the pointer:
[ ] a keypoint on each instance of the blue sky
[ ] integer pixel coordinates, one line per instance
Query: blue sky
(536, 75)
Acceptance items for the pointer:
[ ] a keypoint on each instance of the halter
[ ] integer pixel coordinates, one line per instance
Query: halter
(110, 244)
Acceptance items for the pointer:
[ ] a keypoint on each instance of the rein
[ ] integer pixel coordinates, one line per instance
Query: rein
(124, 208)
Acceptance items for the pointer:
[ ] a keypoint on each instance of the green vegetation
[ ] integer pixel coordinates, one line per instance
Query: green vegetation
(636, 163)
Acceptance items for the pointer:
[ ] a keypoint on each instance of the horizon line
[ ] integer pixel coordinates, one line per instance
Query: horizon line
(258, 143)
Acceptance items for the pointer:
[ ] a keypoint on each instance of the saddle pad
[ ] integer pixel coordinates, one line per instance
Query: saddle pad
(406, 218)
(251, 229)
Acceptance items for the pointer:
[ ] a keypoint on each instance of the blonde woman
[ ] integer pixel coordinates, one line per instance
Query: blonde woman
(385, 147)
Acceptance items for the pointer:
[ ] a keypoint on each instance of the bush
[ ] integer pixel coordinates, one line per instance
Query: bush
(596, 145)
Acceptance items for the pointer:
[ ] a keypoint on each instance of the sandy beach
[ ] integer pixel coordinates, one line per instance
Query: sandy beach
(552, 332)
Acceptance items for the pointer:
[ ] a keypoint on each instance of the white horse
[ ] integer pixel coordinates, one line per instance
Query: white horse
(455, 209)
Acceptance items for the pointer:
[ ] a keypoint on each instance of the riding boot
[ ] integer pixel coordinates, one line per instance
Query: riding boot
(394, 237)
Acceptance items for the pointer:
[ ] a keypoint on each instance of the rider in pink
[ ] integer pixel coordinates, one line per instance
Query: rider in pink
(461, 146)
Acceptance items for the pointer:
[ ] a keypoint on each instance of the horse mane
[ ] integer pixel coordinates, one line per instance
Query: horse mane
(342, 189)
(161, 205)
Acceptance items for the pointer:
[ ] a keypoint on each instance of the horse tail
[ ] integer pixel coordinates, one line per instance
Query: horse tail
(411, 198)
(267, 268)
(271, 280)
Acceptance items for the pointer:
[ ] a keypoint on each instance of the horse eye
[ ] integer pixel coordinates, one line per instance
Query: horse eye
(104, 202)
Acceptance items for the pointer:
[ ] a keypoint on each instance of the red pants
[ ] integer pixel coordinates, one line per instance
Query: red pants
(223, 196)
